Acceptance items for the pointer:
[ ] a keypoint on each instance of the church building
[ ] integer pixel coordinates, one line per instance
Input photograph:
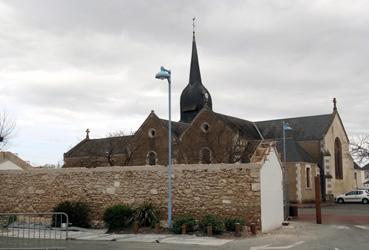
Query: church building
(315, 145)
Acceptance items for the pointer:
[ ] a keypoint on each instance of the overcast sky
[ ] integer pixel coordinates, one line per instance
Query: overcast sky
(70, 65)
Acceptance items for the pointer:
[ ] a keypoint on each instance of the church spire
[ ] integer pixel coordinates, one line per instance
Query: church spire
(195, 75)
(195, 96)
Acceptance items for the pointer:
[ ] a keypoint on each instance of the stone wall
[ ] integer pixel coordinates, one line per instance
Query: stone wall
(223, 189)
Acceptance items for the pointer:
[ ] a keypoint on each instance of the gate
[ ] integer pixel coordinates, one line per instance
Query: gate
(23, 231)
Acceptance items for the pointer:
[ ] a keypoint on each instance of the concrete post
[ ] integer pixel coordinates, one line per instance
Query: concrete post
(184, 229)
(318, 210)
(135, 227)
(210, 230)
(237, 231)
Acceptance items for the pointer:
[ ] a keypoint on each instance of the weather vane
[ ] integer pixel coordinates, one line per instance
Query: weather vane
(193, 24)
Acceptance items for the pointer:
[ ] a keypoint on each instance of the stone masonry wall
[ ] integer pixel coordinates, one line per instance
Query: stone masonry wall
(223, 189)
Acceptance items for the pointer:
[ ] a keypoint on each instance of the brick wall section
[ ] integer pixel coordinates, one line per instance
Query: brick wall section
(225, 190)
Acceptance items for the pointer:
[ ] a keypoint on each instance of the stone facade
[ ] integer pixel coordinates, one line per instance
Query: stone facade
(223, 143)
(301, 188)
(334, 184)
(223, 189)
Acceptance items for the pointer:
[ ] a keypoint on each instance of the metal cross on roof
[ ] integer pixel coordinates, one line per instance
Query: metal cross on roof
(87, 133)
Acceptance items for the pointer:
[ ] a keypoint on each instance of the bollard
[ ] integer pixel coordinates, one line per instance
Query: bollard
(237, 229)
(253, 228)
(135, 227)
(184, 229)
(210, 230)
(157, 228)
(294, 211)
(318, 209)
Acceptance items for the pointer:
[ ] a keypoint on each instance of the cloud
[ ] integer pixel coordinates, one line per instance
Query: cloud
(70, 65)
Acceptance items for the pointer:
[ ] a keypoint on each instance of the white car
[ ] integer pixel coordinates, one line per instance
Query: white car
(354, 196)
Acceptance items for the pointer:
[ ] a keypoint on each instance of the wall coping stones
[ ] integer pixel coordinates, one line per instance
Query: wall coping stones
(158, 168)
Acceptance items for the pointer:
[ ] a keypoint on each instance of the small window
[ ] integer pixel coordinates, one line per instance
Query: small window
(205, 127)
(151, 158)
(308, 177)
(152, 133)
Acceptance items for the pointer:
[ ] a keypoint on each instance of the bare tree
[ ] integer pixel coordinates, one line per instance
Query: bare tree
(117, 133)
(7, 129)
(109, 154)
(359, 148)
(129, 149)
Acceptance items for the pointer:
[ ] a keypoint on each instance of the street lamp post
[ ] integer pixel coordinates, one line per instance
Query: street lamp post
(166, 74)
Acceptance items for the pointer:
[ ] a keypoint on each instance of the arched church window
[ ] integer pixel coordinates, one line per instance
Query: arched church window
(338, 158)
(151, 158)
(205, 156)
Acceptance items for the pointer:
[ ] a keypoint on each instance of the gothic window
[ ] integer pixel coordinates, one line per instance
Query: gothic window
(205, 156)
(338, 158)
(151, 158)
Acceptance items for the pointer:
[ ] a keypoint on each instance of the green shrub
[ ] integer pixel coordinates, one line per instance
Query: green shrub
(118, 216)
(230, 223)
(215, 222)
(184, 219)
(7, 220)
(146, 215)
(78, 213)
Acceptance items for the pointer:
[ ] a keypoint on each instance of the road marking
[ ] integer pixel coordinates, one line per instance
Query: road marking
(342, 227)
(336, 248)
(361, 227)
(266, 247)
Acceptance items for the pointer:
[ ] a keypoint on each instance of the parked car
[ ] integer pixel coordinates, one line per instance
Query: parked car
(365, 189)
(354, 196)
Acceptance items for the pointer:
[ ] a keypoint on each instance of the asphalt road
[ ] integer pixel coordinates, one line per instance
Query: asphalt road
(299, 235)
(348, 214)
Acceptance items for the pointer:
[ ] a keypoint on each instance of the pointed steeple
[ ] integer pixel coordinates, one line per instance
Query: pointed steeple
(195, 75)
(195, 96)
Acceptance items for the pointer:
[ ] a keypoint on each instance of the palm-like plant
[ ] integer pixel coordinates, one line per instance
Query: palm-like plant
(146, 215)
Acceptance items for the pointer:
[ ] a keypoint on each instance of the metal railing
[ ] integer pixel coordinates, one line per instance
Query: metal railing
(17, 228)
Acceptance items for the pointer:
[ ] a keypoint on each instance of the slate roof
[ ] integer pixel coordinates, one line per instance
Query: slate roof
(99, 147)
(177, 127)
(366, 167)
(303, 128)
(245, 127)
(356, 166)
(294, 152)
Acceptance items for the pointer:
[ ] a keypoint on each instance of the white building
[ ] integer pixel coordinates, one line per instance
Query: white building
(10, 161)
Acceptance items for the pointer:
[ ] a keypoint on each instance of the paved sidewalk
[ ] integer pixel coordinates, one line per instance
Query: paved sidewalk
(100, 235)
